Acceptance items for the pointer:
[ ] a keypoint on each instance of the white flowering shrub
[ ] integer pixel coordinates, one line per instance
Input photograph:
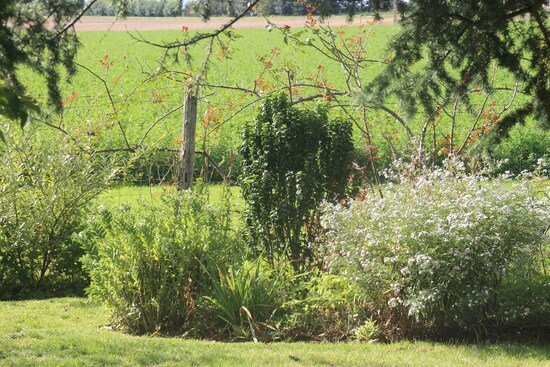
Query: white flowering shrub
(442, 252)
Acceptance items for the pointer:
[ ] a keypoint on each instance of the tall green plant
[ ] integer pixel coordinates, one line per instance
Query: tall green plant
(145, 261)
(293, 159)
(45, 189)
(244, 297)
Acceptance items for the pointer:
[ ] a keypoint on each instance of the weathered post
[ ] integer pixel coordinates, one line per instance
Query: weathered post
(394, 6)
(187, 151)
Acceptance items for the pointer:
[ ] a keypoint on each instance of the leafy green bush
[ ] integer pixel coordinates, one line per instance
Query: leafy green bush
(252, 300)
(292, 160)
(322, 306)
(368, 332)
(45, 189)
(441, 253)
(523, 148)
(145, 261)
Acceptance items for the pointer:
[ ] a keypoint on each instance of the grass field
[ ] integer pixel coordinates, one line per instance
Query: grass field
(72, 332)
(124, 63)
(144, 91)
(130, 61)
(132, 195)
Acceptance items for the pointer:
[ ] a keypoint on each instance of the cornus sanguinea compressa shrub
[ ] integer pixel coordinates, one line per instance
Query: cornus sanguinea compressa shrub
(446, 253)
(293, 159)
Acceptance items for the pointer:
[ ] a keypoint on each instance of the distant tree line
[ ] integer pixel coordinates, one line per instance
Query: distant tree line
(138, 8)
(172, 8)
(285, 7)
(223, 7)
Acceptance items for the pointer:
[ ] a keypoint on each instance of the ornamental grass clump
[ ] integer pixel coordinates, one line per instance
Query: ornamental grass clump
(243, 298)
(447, 254)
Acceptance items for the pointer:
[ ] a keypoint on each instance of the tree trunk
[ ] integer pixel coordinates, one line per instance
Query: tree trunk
(394, 6)
(187, 152)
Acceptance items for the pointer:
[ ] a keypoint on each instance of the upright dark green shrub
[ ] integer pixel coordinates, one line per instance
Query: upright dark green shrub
(293, 159)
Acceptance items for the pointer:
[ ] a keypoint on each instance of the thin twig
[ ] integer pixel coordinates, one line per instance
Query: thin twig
(115, 110)
(201, 36)
(76, 19)
(156, 122)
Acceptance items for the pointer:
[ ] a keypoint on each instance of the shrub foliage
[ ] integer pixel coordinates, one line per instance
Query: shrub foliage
(45, 190)
(438, 254)
(145, 262)
(293, 159)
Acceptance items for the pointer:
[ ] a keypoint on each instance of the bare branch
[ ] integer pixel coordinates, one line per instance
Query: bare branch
(201, 36)
(76, 19)
(214, 165)
(471, 131)
(236, 88)
(168, 113)
(115, 110)
(317, 96)
(398, 118)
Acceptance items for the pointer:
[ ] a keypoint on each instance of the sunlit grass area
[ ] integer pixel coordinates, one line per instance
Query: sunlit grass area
(133, 195)
(73, 332)
(128, 194)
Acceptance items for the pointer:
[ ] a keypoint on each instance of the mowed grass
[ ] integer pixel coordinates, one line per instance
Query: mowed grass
(74, 332)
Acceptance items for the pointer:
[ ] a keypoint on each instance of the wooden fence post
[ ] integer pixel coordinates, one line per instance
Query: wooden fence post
(187, 151)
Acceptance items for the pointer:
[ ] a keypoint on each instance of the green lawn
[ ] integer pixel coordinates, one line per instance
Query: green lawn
(73, 332)
(128, 194)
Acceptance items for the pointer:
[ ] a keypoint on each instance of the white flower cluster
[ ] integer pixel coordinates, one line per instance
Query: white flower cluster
(442, 241)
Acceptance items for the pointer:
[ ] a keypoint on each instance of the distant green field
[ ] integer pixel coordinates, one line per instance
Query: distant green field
(124, 63)
(142, 93)
(73, 332)
(134, 195)
(120, 195)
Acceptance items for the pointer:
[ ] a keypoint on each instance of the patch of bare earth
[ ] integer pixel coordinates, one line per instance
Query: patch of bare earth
(153, 24)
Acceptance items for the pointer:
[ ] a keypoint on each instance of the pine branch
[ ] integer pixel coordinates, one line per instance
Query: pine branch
(76, 19)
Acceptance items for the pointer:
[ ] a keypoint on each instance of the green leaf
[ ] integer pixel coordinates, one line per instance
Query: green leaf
(15, 106)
